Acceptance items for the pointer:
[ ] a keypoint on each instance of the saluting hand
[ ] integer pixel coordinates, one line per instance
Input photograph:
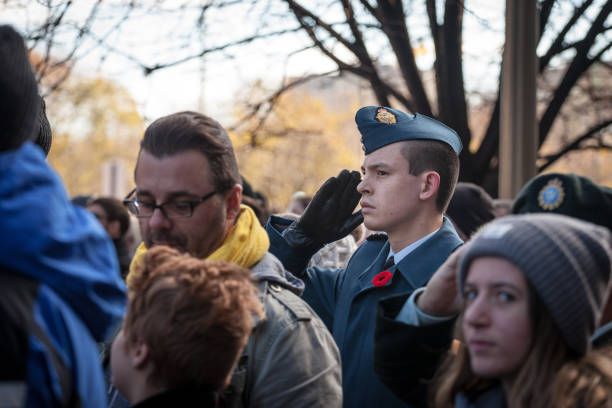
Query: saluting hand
(441, 297)
(329, 216)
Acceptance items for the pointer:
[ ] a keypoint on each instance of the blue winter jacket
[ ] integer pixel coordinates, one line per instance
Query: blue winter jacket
(61, 291)
(347, 299)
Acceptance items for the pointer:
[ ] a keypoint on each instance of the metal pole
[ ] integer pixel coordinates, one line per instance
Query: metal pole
(518, 125)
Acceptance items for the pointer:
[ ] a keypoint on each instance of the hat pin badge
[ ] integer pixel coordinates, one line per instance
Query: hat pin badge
(551, 196)
(384, 116)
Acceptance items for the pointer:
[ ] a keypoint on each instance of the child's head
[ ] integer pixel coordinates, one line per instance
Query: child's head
(186, 324)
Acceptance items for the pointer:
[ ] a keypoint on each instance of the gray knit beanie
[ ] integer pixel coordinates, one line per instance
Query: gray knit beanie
(567, 261)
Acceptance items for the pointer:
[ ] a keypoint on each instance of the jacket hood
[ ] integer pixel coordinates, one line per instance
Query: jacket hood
(270, 269)
(46, 238)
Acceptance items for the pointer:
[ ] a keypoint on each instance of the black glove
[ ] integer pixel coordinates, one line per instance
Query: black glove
(329, 216)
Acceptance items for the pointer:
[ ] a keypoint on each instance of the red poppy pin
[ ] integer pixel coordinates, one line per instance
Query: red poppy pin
(382, 279)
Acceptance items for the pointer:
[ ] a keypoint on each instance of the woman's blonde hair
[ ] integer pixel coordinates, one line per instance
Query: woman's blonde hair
(586, 382)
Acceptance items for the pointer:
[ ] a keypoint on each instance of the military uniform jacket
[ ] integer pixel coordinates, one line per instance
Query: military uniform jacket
(346, 300)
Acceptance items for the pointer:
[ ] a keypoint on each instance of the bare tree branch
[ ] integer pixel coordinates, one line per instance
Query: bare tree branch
(575, 145)
(368, 7)
(366, 69)
(545, 9)
(369, 31)
(558, 44)
(302, 12)
(577, 67)
(393, 19)
(432, 14)
(264, 108)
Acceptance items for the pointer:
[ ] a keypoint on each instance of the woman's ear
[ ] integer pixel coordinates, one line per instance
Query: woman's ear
(430, 181)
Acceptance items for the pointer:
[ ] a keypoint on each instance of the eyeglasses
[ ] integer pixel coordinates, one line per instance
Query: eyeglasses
(170, 209)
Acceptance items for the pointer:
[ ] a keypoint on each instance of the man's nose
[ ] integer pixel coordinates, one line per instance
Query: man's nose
(158, 220)
(363, 186)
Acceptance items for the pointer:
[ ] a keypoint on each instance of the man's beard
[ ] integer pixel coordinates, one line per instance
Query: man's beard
(178, 242)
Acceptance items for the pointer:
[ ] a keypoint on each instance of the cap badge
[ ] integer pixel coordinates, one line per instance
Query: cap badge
(551, 196)
(384, 116)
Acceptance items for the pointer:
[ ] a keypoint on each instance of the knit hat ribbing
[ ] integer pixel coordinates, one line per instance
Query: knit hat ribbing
(567, 261)
(19, 100)
(44, 136)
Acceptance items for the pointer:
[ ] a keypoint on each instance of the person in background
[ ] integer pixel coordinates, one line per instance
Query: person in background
(81, 200)
(60, 288)
(186, 325)
(502, 207)
(469, 209)
(567, 194)
(116, 221)
(256, 200)
(576, 196)
(333, 255)
(298, 202)
(132, 238)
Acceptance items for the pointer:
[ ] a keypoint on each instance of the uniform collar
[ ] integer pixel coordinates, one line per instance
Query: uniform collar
(397, 257)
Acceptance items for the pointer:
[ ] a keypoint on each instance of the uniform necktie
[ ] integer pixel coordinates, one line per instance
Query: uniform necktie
(389, 264)
(383, 278)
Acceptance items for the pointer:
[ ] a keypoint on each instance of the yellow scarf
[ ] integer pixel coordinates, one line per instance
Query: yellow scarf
(246, 243)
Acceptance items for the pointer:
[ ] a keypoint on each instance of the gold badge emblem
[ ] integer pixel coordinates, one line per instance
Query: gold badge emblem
(551, 196)
(384, 116)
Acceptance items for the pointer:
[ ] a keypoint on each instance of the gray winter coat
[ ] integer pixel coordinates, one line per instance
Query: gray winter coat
(291, 358)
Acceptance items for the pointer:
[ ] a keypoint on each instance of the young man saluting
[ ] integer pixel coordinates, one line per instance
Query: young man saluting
(409, 174)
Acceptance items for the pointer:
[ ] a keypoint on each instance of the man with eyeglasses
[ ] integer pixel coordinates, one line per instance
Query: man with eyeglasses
(188, 196)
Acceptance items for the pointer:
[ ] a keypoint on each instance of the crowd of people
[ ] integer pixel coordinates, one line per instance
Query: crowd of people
(448, 299)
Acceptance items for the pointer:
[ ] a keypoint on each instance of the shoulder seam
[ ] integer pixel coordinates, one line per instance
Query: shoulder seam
(293, 303)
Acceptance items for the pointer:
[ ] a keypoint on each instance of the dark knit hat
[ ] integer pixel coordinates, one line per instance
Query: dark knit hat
(567, 261)
(19, 100)
(380, 126)
(567, 194)
(470, 207)
(44, 129)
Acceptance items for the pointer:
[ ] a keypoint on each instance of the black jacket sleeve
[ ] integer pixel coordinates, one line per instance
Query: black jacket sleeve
(406, 357)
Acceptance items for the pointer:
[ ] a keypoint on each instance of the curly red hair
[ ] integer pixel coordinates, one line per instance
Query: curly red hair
(194, 315)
